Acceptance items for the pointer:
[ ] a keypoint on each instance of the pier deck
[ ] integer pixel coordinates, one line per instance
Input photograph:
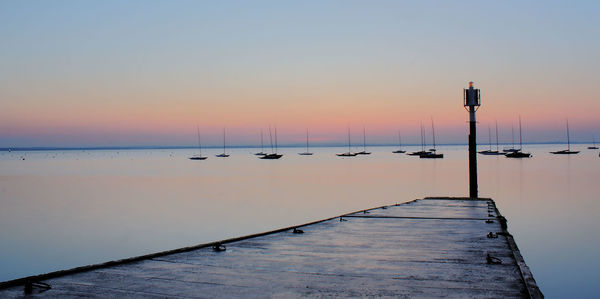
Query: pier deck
(431, 247)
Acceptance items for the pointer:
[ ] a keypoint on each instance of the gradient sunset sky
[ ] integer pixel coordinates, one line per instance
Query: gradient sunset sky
(127, 73)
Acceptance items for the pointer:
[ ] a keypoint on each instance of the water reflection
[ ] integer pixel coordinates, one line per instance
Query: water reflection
(62, 209)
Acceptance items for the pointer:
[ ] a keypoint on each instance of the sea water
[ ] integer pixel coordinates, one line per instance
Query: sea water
(62, 209)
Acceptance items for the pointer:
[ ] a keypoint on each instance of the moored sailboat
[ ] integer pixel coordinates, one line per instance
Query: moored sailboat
(199, 156)
(349, 153)
(273, 155)
(224, 154)
(399, 151)
(490, 151)
(422, 151)
(433, 154)
(306, 153)
(567, 151)
(364, 151)
(518, 153)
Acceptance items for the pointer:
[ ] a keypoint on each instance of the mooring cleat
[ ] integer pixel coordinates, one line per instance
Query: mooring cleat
(491, 260)
(219, 247)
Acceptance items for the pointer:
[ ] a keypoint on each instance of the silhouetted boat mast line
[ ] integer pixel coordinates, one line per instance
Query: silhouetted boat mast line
(518, 153)
(349, 153)
(199, 156)
(306, 153)
(568, 150)
(399, 151)
(224, 154)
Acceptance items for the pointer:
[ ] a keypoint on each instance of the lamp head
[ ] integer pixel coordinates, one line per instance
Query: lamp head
(472, 96)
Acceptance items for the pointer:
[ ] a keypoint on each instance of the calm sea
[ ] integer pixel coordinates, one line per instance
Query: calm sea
(62, 209)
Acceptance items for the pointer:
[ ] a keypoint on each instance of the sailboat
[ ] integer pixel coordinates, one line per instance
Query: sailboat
(262, 146)
(433, 152)
(273, 155)
(490, 151)
(306, 153)
(223, 155)
(364, 151)
(422, 151)
(518, 153)
(512, 149)
(199, 156)
(567, 151)
(594, 146)
(399, 151)
(349, 153)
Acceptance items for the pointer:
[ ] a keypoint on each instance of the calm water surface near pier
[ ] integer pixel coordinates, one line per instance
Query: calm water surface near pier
(62, 209)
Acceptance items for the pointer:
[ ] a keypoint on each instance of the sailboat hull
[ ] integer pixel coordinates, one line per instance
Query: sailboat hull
(305, 154)
(271, 156)
(198, 158)
(346, 155)
(222, 155)
(518, 155)
(399, 152)
(491, 153)
(432, 156)
(565, 152)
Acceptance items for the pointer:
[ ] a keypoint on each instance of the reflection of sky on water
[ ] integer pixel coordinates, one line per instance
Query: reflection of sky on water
(65, 209)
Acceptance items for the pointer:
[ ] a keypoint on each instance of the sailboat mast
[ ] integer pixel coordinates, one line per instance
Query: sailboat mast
(199, 144)
(271, 138)
(490, 137)
(512, 130)
(276, 140)
(568, 137)
(307, 140)
(399, 141)
(262, 147)
(496, 135)
(520, 135)
(422, 138)
(349, 140)
(223, 140)
(364, 139)
(433, 133)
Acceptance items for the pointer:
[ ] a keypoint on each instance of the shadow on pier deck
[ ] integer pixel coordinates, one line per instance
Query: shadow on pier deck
(432, 247)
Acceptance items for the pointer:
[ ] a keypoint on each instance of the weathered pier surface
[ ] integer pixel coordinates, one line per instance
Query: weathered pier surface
(431, 247)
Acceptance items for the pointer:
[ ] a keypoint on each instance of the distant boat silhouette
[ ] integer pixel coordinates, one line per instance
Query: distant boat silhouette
(262, 147)
(589, 147)
(518, 153)
(490, 151)
(306, 153)
(224, 154)
(349, 153)
(568, 150)
(399, 151)
(512, 149)
(273, 155)
(364, 151)
(433, 154)
(199, 156)
(422, 151)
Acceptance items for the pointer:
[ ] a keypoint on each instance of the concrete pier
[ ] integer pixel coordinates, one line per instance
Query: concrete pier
(431, 247)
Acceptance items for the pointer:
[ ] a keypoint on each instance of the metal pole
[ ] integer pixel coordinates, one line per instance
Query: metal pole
(472, 154)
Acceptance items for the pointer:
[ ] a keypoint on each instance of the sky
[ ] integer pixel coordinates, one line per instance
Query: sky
(142, 73)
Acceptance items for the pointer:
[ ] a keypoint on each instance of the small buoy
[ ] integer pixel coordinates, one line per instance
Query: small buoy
(492, 235)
